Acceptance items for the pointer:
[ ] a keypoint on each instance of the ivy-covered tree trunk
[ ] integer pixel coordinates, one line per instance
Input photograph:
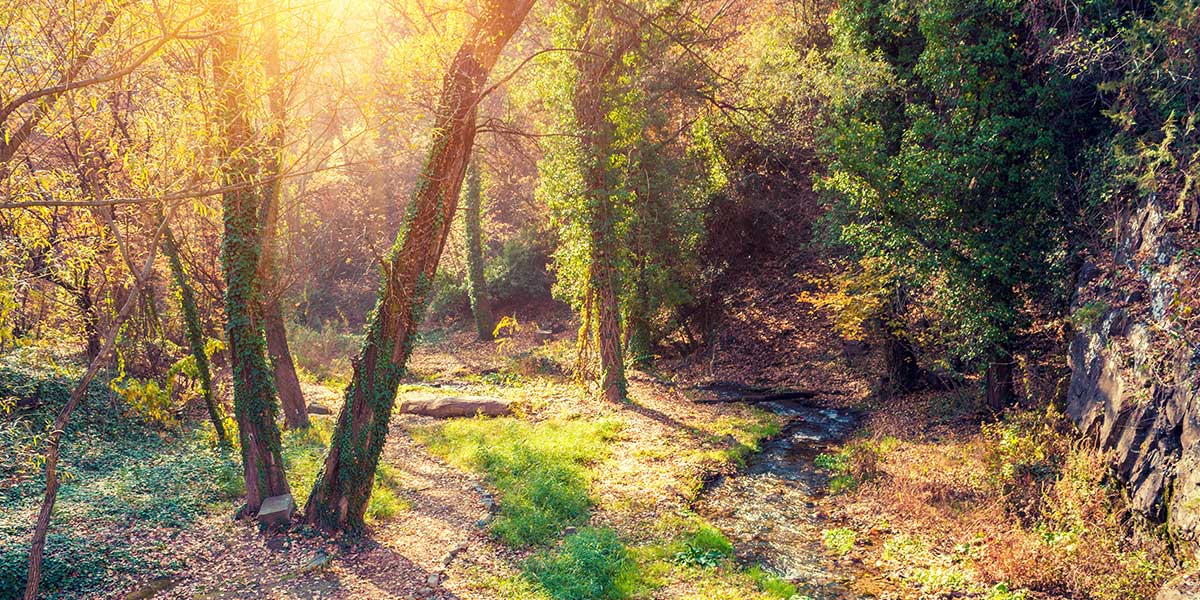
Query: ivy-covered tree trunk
(254, 400)
(596, 67)
(343, 487)
(638, 339)
(481, 306)
(287, 383)
(91, 319)
(193, 331)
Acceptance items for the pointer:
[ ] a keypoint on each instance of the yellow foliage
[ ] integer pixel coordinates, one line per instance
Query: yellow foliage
(855, 296)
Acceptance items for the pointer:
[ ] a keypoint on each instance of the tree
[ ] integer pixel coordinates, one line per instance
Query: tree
(580, 183)
(54, 440)
(254, 401)
(942, 146)
(193, 331)
(287, 384)
(343, 487)
(477, 292)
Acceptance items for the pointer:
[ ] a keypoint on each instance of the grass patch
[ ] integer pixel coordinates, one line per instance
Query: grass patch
(941, 580)
(839, 540)
(905, 549)
(538, 469)
(304, 453)
(589, 565)
(707, 547)
(771, 584)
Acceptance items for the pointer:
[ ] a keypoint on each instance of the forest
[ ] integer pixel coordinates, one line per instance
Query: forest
(600, 299)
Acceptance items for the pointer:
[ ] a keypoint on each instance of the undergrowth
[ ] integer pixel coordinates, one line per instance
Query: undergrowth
(122, 479)
(1056, 521)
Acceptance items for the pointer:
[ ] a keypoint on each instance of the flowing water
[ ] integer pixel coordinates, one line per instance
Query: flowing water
(770, 509)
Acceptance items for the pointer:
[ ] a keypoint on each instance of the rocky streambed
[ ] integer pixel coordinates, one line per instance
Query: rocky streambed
(772, 510)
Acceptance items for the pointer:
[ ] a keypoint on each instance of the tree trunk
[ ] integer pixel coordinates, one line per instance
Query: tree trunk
(1000, 387)
(254, 400)
(902, 373)
(638, 339)
(37, 546)
(596, 135)
(481, 306)
(291, 397)
(194, 332)
(287, 384)
(343, 487)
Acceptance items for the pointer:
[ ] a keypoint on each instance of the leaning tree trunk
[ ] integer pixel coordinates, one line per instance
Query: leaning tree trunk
(481, 306)
(295, 413)
(254, 400)
(37, 546)
(193, 331)
(343, 487)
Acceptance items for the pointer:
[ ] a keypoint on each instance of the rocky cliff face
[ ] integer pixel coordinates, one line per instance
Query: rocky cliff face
(1135, 364)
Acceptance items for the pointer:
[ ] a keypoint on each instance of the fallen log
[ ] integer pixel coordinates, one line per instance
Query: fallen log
(454, 406)
(772, 396)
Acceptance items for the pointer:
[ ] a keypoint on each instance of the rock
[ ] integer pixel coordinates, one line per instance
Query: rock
(317, 409)
(434, 579)
(444, 407)
(455, 551)
(543, 335)
(276, 511)
(1184, 587)
(1136, 394)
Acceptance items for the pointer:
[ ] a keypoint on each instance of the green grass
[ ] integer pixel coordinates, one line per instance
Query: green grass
(940, 579)
(539, 470)
(771, 584)
(304, 454)
(707, 547)
(839, 540)
(905, 549)
(592, 564)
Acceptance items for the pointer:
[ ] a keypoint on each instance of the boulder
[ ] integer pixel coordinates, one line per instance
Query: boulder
(444, 407)
(317, 409)
(276, 511)
(1184, 587)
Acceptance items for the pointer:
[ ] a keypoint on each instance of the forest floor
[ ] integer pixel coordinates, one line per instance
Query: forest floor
(668, 496)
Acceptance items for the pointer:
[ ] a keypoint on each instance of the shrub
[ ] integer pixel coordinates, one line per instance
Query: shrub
(519, 272)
